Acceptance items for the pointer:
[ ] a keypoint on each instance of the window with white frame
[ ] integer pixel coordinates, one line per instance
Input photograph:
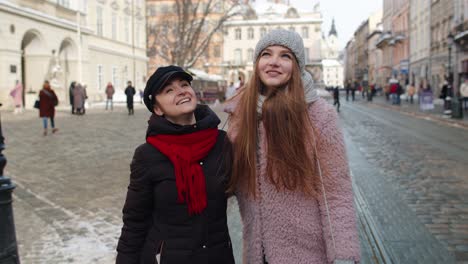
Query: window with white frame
(100, 77)
(64, 3)
(99, 20)
(305, 32)
(250, 33)
(114, 26)
(250, 54)
(237, 56)
(127, 29)
(238, 34)
(263, 32)
(115, 77)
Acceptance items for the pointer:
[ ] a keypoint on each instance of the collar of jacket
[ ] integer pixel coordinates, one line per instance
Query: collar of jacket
(204, 116)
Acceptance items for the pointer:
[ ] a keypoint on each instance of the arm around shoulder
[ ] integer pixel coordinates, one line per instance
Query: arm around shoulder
(137, 210)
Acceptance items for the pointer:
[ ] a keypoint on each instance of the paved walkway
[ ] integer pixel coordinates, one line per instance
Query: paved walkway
(410, 174)
(405, 107)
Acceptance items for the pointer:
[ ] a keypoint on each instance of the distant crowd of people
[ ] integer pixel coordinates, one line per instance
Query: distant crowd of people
(47, 100)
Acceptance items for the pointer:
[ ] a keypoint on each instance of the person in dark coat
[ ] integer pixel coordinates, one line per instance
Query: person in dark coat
(175, 210)
(47, 102)
(130, 92)
(336, 98)
(70, 91)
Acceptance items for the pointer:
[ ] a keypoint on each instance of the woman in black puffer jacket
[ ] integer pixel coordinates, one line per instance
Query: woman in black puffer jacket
(175, 210)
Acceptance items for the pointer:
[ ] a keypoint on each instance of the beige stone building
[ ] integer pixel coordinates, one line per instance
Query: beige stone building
(460, 49)
(420, 40)
(350, 61)
(242, 33)
(361, 66)
(441, 24)
(332, 65)
(92, 42)
(394, 40)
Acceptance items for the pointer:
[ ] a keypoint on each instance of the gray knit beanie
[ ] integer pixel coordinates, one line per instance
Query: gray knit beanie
(285, 38)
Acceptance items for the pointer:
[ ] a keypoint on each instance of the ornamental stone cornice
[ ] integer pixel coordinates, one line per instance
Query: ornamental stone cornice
(114, 5)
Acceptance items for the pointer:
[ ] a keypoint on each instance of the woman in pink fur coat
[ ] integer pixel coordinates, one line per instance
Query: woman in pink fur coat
(290, 171)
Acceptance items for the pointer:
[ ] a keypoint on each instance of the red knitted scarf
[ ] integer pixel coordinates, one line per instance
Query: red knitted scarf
(185, 152)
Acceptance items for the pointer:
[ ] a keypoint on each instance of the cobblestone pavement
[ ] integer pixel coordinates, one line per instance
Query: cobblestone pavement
(412, 173)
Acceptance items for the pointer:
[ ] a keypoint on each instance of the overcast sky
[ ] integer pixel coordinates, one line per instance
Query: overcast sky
(348, 14)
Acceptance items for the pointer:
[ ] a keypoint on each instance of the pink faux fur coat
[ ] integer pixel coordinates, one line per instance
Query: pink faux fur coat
(291, 227)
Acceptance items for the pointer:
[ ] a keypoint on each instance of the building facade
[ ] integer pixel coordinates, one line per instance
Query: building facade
(400, 33)
(65, 41)
(460, 49)
(332, 65)
(242, 33)
(375, 58)
(420, 41)
(361, 66)
(441, 25)
(350, 61)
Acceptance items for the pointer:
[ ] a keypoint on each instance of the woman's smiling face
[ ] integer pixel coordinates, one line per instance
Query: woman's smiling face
(177, 102)
(275, 66)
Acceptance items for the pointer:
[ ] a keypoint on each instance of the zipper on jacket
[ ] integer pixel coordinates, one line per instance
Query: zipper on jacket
(159, 255)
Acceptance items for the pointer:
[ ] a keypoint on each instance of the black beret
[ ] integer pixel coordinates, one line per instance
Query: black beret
(157, 81)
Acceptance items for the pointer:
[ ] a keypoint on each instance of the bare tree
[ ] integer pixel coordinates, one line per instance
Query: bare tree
(182, 36)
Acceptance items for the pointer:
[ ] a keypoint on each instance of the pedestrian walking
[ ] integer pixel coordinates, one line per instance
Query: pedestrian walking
(410, 92)
(290, 172)
(47, 102)
(386, 91)
(444, 93)
(109, 96)
(393, 92)
(70, 93)
(141, 95)
(130, 92)
(348, 88)
(353, 90)
(79, 96)
(176, 200)
(17, 95)
(85, 98)
(336, 98)
(464, 92)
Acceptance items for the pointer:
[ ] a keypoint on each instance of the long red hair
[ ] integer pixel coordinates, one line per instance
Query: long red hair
(288, 131)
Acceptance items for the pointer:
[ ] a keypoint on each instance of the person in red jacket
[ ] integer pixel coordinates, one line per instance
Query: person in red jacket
(47, 102)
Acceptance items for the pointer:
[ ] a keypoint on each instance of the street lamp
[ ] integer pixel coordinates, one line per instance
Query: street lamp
(455, 104)
(449, 79)
(8, 246)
